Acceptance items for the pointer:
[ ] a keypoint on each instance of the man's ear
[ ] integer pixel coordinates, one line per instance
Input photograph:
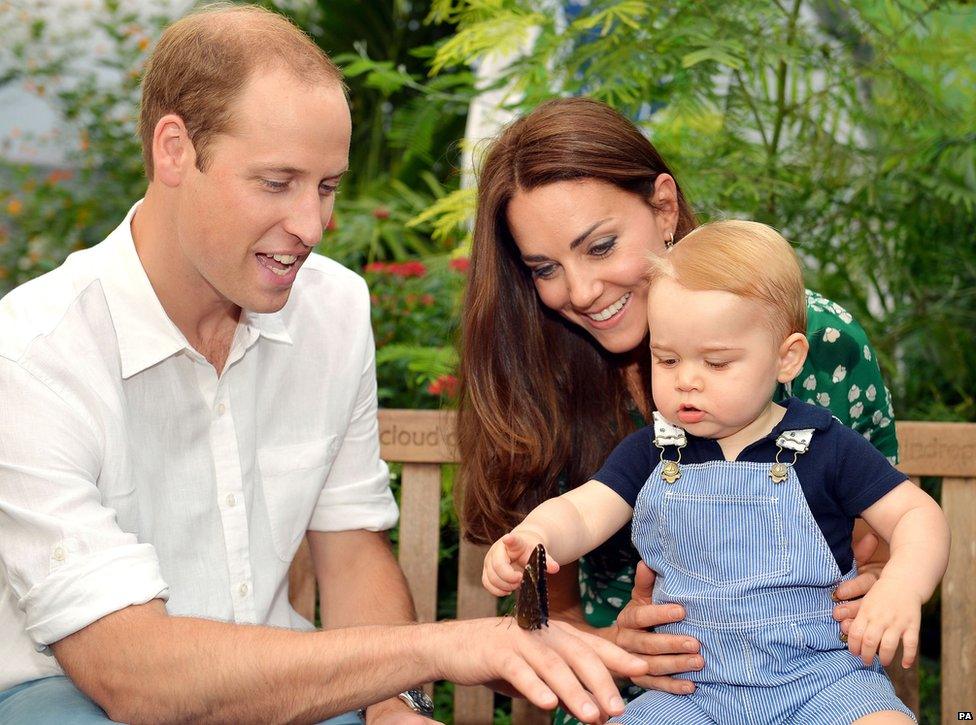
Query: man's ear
(664, 199)
(172, 150)
(792, 355)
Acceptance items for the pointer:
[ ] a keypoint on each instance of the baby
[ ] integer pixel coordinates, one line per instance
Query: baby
(744, 507)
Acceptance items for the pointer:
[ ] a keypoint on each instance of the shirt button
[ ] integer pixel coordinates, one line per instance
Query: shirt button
(231, 501)
(221, 408)
(58, 553)
(244, 589)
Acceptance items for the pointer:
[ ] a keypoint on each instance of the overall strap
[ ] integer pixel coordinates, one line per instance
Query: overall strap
(666, 434)
(797, 441)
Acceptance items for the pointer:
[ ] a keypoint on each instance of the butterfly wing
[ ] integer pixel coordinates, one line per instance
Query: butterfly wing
(532, 605)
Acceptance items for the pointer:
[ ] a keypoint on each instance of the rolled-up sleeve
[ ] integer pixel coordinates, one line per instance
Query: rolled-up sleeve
(65, 558)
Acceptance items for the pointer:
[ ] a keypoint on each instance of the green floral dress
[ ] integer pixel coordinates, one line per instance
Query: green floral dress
(841, 373)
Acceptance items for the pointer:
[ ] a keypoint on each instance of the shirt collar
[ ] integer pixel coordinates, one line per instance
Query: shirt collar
(269, 325)
(801, 416)
(145, 332)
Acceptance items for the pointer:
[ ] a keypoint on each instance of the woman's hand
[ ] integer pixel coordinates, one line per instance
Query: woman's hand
(665, 654)
(850, 593)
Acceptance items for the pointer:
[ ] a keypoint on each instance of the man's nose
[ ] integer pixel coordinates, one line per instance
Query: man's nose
(306, 220)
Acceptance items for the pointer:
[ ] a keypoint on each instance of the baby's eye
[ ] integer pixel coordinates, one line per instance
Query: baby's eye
(717, 365)
(667, 361)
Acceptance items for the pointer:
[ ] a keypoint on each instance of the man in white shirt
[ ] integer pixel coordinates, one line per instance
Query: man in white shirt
(183, 401)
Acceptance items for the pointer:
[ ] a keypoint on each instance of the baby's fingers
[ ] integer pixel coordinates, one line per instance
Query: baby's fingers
(888, 646)
(908, 655)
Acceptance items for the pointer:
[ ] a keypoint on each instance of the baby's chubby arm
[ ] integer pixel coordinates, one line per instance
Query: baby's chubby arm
(568, 526)
(918, 535)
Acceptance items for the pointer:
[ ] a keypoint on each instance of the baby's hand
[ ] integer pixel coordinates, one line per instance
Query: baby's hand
(506, 560)
(890, 612)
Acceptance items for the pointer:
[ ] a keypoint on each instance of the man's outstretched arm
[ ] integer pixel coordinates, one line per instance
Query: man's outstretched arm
(142, 665)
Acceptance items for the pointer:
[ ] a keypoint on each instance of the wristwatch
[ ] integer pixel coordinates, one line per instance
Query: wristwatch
(418, 701)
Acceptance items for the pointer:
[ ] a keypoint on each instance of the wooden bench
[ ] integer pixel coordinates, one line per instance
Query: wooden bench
(424, 440)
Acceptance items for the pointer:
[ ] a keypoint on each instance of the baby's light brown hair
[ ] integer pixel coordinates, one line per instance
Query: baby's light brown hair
(747, 259)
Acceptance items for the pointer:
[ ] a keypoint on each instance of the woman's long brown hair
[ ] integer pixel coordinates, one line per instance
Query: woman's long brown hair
(540, 399)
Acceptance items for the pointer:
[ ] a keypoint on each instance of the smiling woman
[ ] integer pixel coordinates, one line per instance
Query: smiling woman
(556, 367)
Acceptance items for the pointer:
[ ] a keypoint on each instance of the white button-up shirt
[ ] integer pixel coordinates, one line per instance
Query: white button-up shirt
(130, 471)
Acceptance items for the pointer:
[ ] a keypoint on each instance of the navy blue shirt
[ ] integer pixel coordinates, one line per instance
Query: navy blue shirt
(841, 474)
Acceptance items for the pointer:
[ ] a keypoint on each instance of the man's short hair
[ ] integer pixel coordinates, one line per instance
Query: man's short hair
(748, 259)
(203, 61)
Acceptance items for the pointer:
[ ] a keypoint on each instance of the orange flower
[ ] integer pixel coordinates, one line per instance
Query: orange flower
(14, 207)
(143, 43)
(444, 385)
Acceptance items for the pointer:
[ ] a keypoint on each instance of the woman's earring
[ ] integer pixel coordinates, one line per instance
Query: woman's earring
(669, 242)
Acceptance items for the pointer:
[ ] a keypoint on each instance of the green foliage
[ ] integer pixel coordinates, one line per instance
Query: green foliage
(846, 125)
(51, 212)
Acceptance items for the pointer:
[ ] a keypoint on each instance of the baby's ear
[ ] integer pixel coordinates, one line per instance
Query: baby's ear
(792, 355)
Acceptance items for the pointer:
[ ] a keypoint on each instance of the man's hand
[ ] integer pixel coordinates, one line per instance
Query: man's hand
(395, 712)
(664, 654)
(550, 665)
(505, 562)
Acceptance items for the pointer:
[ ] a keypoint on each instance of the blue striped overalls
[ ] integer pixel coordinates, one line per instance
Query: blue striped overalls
(744, 556)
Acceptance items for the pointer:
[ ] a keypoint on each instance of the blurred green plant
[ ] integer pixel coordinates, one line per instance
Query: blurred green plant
(846, 125)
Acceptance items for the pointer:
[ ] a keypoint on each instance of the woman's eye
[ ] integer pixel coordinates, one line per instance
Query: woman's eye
(717, 365)
(604, 247)
(273, 185)
(543, 272)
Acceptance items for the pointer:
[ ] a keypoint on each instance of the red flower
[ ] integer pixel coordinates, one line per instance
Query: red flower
(427, 299)
(332, 224)
(381, 212)
(460, 264)
(444, 385)
(407, 269)
(378, 267)
(58, 175)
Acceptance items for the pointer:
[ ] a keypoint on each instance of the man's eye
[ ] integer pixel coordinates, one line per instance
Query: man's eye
(273, 185)
(328, 189)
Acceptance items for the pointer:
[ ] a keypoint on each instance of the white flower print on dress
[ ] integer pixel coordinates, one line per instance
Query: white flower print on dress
(845, 317)
(824, 399)
(831, 335)
(871, 393)
(867, 352)
(857, 409)
(853, 393)
(867, 435)
(876, 418)
(885, 422)
(840, 372)
(810, 383)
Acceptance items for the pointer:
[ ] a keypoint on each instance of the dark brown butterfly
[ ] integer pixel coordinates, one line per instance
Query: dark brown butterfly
(532, 605)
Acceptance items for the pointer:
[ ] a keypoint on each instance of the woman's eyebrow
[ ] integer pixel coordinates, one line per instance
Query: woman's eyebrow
(582, 237)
